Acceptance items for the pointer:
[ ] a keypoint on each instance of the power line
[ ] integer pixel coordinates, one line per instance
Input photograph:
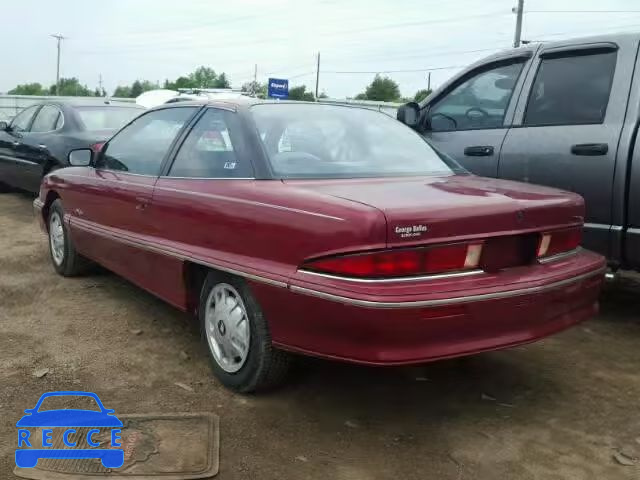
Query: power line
(172, 45)
(426, 69)
(302, 75)
(561, 34)
(582, 11)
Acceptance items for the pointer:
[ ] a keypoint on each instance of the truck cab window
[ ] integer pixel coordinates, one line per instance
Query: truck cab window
(571, 90)
(478, 102)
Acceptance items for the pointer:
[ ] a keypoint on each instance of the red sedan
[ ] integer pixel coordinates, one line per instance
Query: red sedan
(319, 229)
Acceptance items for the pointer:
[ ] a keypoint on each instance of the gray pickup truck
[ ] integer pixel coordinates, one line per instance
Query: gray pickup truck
(563, 114)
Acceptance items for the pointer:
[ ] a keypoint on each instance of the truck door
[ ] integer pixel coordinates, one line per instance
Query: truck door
(567, 125)
(469, 119)
(631, 254)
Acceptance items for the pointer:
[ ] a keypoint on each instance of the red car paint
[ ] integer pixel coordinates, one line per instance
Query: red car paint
(153, 229)
(145, 229)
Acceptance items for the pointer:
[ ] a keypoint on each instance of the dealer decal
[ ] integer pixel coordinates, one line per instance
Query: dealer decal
(408, 231)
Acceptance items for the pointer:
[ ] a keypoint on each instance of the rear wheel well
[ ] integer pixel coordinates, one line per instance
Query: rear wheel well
(52, 196)
(194, 276)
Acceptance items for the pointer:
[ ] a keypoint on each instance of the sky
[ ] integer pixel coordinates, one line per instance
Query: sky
(125, 40)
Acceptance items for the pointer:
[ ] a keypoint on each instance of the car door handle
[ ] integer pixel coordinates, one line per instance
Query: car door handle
(479, 151)
(590, 149)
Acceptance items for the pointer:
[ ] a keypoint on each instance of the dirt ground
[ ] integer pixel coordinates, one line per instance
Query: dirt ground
(562, 408)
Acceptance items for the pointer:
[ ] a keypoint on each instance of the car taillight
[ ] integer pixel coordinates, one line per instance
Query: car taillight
(401, 263)
(559, 241)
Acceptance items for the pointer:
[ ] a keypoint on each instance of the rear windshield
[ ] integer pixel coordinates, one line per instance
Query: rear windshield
(106, 118)
(331, 141)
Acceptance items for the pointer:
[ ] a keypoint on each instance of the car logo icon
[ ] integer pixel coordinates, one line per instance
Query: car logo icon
(77, 425)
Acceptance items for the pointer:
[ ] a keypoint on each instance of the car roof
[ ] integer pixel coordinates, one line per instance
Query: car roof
(89, 102)
(246, 102)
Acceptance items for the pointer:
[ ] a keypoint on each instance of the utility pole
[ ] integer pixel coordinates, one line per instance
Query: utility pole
(255, 80)
(317, 76)
(519, 11)
(59, 38)
(429, 81)
(100, 84)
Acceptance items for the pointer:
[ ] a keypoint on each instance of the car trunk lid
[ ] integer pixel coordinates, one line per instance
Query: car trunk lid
(507, 216)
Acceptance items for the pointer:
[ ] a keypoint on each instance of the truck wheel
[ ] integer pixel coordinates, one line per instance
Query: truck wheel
(237, 336)
(66, 260)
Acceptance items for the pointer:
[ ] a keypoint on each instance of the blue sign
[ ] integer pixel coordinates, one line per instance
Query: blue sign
(32, 447)
(278, 88)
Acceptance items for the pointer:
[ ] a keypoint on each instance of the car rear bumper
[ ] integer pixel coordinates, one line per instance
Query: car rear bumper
(393, 331)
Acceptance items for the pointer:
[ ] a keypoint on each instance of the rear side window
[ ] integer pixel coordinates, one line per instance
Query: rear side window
(571, 90)
(47, 119)
(211, 149)
(107, 117)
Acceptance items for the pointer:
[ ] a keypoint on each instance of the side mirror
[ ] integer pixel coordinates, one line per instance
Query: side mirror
(409, 114)
(4, 126)
(81, 157)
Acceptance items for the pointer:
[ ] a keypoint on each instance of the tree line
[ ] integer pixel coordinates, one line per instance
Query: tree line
(383, 89)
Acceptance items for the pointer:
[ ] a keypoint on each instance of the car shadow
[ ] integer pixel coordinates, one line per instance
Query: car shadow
(620, 299)
(474, 386)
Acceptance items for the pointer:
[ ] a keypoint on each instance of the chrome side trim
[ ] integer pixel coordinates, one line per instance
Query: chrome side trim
(597, 226)
(437, 276)
(560, 256)
(170, 177)
(249, 202)
(19, 160)
(448, 301)
(170, 253)
(603, 226)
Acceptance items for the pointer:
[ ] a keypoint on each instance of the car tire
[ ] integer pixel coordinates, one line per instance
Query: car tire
(66, 260)
(257, 367)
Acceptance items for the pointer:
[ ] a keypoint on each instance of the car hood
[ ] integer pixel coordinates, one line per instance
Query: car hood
(455, 206)
(69, 418)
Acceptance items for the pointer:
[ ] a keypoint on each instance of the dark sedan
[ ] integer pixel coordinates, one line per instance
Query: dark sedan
(39, 139)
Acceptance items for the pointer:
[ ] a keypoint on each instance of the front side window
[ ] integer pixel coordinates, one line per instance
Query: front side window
(21, 121)
(209, 151)
(330, 141)
(571, 90)
(141, 147)
(479, 102)
(47, 119)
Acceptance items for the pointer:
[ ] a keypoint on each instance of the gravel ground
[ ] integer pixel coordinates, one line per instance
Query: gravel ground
(564, 408)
